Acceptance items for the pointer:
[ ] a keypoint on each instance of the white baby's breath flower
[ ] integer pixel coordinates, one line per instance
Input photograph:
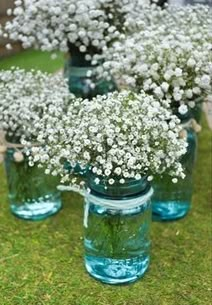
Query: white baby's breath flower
(8, 46)
(165, 86)
(122, 181)
(111, 181)
(183, 109)
(174, 180)
(191, 62)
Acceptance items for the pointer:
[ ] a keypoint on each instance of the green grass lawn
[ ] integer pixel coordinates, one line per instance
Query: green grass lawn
(32, 59)
(41, 263)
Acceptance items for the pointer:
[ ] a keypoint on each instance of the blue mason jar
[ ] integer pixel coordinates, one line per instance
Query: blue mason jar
(81, 84)
(196, 112)
(117, 230)
(33, 195)
(173, 201)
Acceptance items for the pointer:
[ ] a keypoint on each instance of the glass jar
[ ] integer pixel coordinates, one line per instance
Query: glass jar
(117, 227)
(196, 112)
(173, 201)
(83, 82)
(32, 194)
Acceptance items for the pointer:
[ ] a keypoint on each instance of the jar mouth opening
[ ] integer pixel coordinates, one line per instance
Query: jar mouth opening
(130, 189)
(121, 196)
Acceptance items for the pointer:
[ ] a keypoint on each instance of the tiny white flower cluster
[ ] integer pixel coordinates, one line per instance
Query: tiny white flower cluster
(51, 24)
(25, 97)
(169, 55)
(119, 136)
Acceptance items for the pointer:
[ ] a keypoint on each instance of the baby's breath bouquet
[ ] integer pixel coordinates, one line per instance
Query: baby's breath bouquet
(49, 25)
(24, 99)
(122, 140)
(122, 136)
(168, 58)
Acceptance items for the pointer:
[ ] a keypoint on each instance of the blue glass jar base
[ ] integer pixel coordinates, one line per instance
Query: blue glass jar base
(169, 211)
(37, 210)
(116, 271)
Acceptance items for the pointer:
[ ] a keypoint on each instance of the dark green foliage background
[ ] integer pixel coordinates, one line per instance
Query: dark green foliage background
(42, 263)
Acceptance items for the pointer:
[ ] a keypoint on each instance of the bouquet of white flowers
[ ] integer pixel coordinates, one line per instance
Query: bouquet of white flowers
(167, 58)
(53, 24)
(24, 98)
(122, 136)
